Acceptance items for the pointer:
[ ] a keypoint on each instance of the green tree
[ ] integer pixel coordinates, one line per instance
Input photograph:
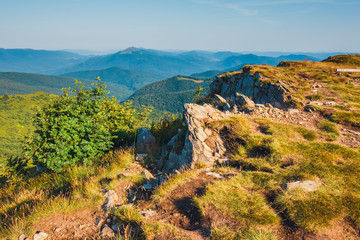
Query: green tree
(198, 91)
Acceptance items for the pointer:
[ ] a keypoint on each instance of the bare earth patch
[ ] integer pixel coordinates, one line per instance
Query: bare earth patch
(80, 224)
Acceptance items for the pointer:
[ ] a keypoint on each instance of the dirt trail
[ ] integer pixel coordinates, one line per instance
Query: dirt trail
(178, 209)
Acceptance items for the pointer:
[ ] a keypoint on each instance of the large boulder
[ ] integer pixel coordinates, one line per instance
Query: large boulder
(145, 141)
(198, 144)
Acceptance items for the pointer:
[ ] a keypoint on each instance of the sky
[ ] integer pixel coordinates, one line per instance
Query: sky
(214, 25)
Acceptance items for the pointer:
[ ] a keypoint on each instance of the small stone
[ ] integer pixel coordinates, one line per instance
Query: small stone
(330, 103)
(307, 185)
(215, 175)
(291, 111)
(140, 156)
(220, 98)
(148, 175)
(57, 229)
(148, 186)
(99, 222)
(268, 105)
(117, 227)
(22, 237)
(148, 213)
(107, 232)
(40, 236)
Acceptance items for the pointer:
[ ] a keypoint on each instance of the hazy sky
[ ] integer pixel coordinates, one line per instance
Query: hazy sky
(235, 25)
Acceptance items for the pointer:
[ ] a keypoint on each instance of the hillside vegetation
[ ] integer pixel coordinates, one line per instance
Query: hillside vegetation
(170, 94)
(16, 120)
(335, 95)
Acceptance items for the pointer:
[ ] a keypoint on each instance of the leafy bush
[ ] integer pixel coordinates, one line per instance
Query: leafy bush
(79, 126)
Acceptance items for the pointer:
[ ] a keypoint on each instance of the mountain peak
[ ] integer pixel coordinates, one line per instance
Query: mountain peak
(131, 50)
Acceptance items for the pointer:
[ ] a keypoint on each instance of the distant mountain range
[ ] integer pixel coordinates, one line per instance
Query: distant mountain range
(37, 61)
(132, 79)
(124, 72)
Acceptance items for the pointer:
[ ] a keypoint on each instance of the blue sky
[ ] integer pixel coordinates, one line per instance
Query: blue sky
(250, 25)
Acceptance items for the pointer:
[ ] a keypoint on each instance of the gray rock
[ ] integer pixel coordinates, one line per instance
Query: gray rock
(215, 175)
(141, 156)
(307, 185)
(268, 105)
(107, 232)
(110, 198)
(148, 175)
(40, 236)
(292, 111)
(148, 213)
(243, 101)
(148, 186)
(145, 141)
(117, 227)
(220, 99)
(332, 103)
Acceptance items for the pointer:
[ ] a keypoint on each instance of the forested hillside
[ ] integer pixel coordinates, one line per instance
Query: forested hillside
(170, 94)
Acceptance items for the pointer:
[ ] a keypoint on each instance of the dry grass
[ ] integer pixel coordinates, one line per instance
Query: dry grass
(284, 153)
(172, 182)
(48, 194)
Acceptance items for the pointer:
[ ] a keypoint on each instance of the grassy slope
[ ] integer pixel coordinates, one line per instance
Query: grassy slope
(254, 198)
(342, 88)
(16, 120)
(29, 201)
(26, 83)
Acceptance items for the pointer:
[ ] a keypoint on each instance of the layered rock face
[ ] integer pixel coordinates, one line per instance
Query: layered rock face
(231, 86)
(196, 145)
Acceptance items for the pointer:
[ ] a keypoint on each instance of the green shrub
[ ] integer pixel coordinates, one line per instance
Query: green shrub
(79, 126)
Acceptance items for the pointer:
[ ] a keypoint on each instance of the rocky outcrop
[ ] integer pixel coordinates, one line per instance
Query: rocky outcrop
(234, 87)
(145, 141)
(196, 145)
(231, 93)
